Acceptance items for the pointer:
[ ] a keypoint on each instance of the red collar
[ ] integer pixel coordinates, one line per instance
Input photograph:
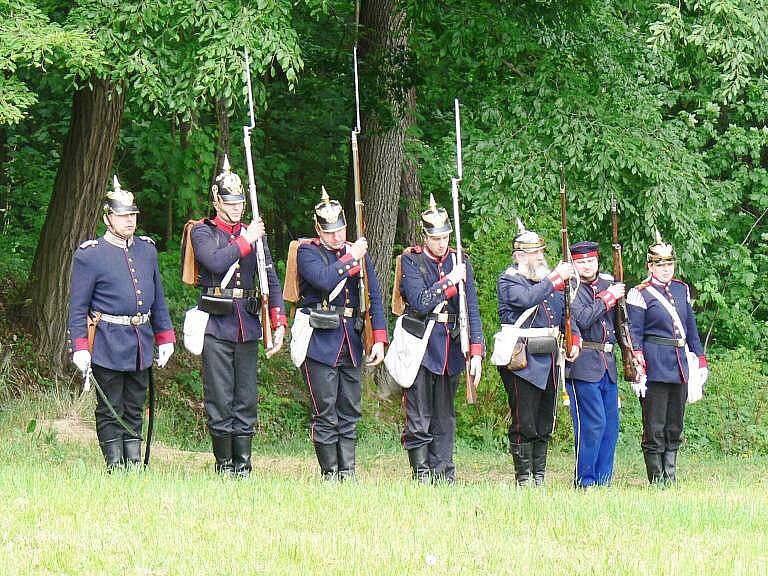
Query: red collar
(228, 228)
(436, 258)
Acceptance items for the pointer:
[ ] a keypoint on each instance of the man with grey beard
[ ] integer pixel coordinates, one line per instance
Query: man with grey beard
(531, 306)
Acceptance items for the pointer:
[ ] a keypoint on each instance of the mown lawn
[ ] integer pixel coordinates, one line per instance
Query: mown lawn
(61, 514)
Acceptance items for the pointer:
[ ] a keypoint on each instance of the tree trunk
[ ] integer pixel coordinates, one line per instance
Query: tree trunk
(382, 43)
(222, 144)
(408, 216)
(73, 211)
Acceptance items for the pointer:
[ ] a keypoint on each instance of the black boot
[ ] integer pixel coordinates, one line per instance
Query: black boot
(241, 455)
(113, 453)
(539, 461)
(222, 451)
(522, 454)
(418, 457)
(669, 461)
(346, 458)
(328, 458)
(653, 467)
(132, 451)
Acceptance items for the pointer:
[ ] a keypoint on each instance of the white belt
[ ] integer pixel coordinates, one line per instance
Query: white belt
(512, 330)
(135, 320)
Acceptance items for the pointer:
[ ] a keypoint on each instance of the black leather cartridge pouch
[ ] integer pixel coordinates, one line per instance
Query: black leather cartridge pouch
(215, 305)
(414, 325)
(542, 345)
(253, 305)
(324, 319)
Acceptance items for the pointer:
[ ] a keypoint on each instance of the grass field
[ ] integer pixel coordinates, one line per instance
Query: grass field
(61, 514)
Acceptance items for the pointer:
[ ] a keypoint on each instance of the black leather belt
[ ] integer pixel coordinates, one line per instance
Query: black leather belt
(442, 317)
(340, 310)
(602, 346)
(676, 342)
(231, 292)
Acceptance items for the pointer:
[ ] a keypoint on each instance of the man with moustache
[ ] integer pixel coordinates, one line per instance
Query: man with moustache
(226, 257)
(329, 276)
(429, 287)
(531, 302)
(116, 282)
(592, 377)
(663, 326)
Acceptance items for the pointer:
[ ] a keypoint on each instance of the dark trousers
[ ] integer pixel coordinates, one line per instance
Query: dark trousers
(230, 385)
(430, 419)
(663, 411)
(532, 410)
(595, 415)
(335, 394)
(126, 392)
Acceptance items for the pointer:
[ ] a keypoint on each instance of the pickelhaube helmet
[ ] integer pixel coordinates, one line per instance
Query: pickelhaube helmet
(329, 214)
(527, 240)
(228, 187)
(660, 252)
(118, 201)
(434, 220)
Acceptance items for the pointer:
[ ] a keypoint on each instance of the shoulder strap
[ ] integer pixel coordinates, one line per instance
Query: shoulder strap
(669, 308)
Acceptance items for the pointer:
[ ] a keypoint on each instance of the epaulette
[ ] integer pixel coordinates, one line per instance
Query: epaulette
(147, 239)
(606, 276)
(511, 271)
(642, 285)
(89, 243)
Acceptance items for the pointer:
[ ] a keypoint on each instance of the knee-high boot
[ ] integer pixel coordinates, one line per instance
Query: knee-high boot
(669, 463)
(418, 457)
(653, 467)
(539, 461)
(222, 451)
(328, 458)
(346, 458)
(113, 453)
(241, 455)
(522, 455)
(132, 451)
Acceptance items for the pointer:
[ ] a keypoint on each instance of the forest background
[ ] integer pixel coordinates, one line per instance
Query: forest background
(663, 105)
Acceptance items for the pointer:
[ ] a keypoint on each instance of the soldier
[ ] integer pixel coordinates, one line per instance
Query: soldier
(116, 281)
(328, 269)
(592, 378)
(429, 286)
(224, 250)
(663, 326)
(531, 303)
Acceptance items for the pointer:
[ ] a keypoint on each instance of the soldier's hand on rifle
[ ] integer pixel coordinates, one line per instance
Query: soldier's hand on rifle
(458, 274)
(277, 341)
(359, 248)
(617, 290)
(377, 354)
(82, 359)
(575, 351)
(565, 270)
(164, 352)
(254, 231)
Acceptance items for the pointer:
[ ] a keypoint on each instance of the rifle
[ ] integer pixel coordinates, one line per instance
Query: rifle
(463, 320)
(261, 260)
(623, 334)
(365, 302)
(568, 336)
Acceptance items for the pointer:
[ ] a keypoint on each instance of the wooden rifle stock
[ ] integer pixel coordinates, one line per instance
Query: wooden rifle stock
(623, 334)
(568, 337)
(261, 259)
(364, 294)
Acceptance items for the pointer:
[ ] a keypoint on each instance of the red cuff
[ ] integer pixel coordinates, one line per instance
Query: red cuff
(557, 281)
(576, 341)
(81, 344)
(475, 350)
(244, 245)
(450, 291)
(638, 355)
(165, 337)
(277, 318)
(351, 266)
(702, 361)
(380, 336)
(608, 298)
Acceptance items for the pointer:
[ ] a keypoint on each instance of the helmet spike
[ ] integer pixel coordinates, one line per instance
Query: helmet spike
(116, 183)
(658, 236)
(225, 167)
(324, 198)
(432, 203)
(520, 226)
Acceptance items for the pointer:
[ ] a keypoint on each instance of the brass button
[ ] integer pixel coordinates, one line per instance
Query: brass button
(138, 291)
(140, 302)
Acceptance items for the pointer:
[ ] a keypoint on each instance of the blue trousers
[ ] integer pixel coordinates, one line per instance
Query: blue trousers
(595, 415)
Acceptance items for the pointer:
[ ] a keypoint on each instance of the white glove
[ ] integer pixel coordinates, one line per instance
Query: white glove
(475, 369)
(164, 352)
(704, 375)
(82, 359)
(277, 341)
(639, 386)
(377, 354)
(458, 273)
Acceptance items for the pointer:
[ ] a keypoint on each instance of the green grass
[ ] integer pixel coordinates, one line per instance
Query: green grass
(61, 514)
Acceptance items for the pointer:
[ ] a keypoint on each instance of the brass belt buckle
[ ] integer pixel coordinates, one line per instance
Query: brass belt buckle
(608, 347)
(137, 319)
(217, 291)
(679, 342)
(237, 292)
(442, 317)
(349, 312)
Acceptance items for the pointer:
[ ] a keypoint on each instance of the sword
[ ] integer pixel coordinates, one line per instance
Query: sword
(88, 379)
